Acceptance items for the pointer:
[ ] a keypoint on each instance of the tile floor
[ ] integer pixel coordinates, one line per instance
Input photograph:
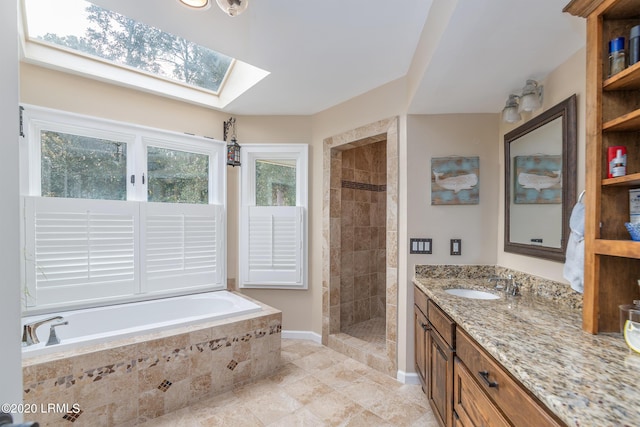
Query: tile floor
(371, 331)
(315, 386)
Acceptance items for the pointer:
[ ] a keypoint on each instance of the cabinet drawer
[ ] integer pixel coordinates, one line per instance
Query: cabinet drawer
(441, 323)
(420, 299)
(514, 401)
(470, 403)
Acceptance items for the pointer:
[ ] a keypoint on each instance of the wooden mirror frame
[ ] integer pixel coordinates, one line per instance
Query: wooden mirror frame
(567, 110)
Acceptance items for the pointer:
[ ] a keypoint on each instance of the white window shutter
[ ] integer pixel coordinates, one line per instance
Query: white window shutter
(79, 250)
(272, 247)
(183, 246)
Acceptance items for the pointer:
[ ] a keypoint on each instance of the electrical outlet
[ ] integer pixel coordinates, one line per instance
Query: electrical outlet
(420, 246)
(456, 246)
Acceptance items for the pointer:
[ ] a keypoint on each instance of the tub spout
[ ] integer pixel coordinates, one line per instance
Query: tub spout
(29, 336)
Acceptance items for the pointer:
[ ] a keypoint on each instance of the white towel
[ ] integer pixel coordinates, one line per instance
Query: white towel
(574, 264)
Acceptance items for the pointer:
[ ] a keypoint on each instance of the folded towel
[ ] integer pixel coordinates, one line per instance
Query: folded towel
(574, 263)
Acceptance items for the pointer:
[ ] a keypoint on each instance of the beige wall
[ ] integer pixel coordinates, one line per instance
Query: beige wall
(561, 83)
(441, 136)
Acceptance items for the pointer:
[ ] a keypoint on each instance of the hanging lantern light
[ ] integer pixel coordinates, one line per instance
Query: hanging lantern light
(233, 148)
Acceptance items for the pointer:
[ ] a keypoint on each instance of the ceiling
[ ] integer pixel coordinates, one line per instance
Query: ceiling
(459, 56)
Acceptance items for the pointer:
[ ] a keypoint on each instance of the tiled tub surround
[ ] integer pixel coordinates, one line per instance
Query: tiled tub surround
(132, 380)
(586, 380)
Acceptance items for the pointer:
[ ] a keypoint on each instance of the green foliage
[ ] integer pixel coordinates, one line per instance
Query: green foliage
(81, 167)
(275, 184)
(177, 176)
(131, 43)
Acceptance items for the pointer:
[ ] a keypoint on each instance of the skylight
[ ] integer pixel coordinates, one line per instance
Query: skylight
(61, 33)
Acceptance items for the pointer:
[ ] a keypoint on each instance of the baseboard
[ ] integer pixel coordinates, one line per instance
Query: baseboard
(408, 378)
(302, 335)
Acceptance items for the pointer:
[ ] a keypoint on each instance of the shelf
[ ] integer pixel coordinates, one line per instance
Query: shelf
(623, 181)
(619, 248)
(627, 79)
(628, 122)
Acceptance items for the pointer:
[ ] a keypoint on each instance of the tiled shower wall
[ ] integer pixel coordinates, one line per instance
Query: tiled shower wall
(363, 234)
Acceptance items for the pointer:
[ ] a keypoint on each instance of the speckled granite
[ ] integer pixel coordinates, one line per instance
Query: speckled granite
(586, 380)
(549, 289)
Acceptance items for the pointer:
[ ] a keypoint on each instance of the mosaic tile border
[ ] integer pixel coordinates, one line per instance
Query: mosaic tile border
(364, 186)
(157, 376)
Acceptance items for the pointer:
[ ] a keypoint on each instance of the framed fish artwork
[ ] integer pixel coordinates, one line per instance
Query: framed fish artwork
(455, 180)
(538, 179)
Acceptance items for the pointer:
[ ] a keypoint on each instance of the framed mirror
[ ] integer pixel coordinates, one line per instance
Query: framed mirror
(540, 183)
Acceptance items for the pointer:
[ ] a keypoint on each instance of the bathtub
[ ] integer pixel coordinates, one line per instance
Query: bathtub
(98, 325)
(177, 351)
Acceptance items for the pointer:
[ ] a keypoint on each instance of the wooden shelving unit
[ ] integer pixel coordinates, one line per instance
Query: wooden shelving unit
(612, 260)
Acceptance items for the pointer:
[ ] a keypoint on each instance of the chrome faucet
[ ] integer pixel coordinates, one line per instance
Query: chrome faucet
(510, 286)
(29, 336)
(53, 338)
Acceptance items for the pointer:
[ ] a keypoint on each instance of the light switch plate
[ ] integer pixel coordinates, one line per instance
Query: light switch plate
(456, 246)
(420, 246)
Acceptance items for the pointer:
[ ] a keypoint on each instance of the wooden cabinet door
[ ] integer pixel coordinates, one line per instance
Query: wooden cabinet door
(471, 405)
(440, 378)
(420, 344)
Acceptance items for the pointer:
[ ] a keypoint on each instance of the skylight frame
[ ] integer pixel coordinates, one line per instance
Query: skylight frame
(47, 54)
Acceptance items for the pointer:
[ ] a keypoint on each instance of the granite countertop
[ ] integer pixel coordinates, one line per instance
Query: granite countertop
(585, 379)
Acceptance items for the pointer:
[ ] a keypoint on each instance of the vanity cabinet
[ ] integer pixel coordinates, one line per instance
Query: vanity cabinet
(486, 395)
(612, 260)
(421, 327)
(464, 385)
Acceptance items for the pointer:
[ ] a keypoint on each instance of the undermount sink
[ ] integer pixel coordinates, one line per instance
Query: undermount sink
(472, 293)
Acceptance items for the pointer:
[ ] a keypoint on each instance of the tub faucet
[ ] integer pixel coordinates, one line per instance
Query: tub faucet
(29, 336)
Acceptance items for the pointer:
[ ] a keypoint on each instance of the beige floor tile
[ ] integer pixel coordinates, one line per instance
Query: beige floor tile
(273, 405)
(301, 418)
(334, 408)
(366, 392)
(338, 376)
(307, 389)
(318, 360)
(236, 415)
(367, 419)
(398, 412)
(316, 387)
(288, 373)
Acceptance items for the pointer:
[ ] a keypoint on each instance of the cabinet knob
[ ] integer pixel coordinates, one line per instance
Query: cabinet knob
(485, 378)
(424, 326)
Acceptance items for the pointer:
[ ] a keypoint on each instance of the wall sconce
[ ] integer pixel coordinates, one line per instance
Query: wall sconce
(530, 100)
(510, 113)
(233, 148)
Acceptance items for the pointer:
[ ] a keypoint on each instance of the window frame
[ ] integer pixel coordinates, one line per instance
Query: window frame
(36, 119)
(250, 153)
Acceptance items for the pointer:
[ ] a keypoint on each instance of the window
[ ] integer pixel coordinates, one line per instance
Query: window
(116, 212)
(273, 227)
(99, 43)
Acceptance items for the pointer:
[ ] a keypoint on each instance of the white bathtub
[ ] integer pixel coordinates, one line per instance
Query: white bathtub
(102, 324)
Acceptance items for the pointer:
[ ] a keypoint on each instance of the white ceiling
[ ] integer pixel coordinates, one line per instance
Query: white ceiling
(467, 55)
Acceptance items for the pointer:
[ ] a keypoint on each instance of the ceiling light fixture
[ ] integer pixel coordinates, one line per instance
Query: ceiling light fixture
(196, 4)
(530, 100)
(233, 7)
